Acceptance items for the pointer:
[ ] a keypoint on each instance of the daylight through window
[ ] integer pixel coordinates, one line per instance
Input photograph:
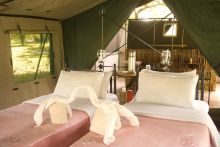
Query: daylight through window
(29, 51)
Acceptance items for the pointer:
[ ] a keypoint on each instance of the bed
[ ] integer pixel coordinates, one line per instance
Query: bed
(168, 115)
(17, 126)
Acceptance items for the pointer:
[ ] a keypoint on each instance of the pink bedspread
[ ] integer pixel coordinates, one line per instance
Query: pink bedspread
(17, 128)
(153, 132)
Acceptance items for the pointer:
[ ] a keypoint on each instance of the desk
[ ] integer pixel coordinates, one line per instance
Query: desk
(131, 80)
(124, 68)
(126, 74)
(138, 63)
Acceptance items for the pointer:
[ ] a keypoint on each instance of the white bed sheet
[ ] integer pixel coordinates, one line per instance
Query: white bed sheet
(201, 106)
(81, 104)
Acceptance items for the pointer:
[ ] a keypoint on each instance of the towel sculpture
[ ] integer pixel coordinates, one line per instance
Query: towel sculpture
(59, 110)
(104, 122)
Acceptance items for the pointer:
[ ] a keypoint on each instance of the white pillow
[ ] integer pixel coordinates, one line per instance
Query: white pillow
(167, 89)
(70, 80)
(188, 73)
(105, 84)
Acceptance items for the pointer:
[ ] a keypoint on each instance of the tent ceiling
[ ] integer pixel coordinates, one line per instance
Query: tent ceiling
(56, 9)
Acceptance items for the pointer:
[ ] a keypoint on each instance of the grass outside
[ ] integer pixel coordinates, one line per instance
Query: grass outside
(25, 60)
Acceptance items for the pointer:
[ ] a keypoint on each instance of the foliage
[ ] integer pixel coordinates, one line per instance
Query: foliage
(26, 51)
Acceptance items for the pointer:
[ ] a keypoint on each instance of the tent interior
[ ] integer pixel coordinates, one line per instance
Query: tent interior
(39, 38)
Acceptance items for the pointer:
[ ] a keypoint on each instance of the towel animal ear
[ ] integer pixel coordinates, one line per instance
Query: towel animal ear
(38, 115)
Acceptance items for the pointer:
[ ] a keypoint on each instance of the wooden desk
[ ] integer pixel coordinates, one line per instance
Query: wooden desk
(138, 63)
(131, 79)
(126, 74)
(191, 65)
(132, 76)
(125, 67)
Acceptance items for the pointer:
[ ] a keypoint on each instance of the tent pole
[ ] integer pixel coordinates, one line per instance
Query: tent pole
(41, 53)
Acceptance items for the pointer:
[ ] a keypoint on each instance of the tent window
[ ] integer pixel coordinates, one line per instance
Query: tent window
(29, 51)
(170, 29)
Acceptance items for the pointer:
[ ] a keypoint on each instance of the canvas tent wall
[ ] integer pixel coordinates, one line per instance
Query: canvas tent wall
(199, 18)
(82, 33)
(12, 93)
(33, 15)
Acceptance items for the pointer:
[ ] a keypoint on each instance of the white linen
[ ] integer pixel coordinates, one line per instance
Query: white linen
(105, 82)
(83, 105)
(68, 81)
(166, 89)
(201, 106)
(176, 113)
(78, 104)
(188, 73)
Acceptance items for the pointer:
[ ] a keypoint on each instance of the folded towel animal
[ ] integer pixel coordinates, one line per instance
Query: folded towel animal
(107, 117)
(59, 109)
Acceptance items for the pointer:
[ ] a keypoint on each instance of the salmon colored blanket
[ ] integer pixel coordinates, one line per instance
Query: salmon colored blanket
(17, 128)
(153, 132)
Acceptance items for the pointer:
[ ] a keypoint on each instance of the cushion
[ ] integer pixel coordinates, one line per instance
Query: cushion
(189, 73)
(164, 89)
(69, 80)
(105, 84)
